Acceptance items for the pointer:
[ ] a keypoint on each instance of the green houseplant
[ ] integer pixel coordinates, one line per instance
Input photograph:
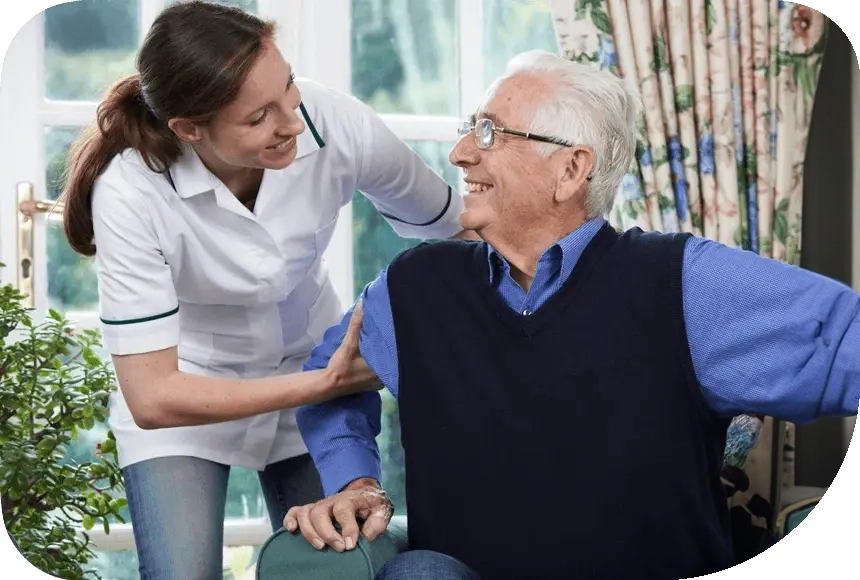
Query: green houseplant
(53, 386)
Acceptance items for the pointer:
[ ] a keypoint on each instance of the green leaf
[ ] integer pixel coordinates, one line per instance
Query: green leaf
(738, 238)
(601, 21)
(782, 206)
(710, 17)
(631, 210)
(106, 525)
(684, 97)
(696, 220)
(665, 202)
(659, 58)
(780, 227)
(88, 522)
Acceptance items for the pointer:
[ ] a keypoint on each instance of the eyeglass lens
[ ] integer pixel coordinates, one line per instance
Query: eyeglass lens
(484, 132)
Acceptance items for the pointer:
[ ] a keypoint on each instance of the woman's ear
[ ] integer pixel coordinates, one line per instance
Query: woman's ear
(185, 130)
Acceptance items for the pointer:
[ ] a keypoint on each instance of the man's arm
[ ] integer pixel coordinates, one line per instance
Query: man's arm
(770, 338)
(341, 434)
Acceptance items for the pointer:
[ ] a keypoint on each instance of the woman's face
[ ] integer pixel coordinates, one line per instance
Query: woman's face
(259, 128)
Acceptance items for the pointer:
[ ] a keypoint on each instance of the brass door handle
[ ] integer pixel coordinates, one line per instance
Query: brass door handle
(28, 206)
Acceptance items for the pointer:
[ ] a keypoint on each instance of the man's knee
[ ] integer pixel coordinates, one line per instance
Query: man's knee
(425, 565)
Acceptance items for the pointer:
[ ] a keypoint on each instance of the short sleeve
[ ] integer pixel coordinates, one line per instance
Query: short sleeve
(411, 196)
(138, 307)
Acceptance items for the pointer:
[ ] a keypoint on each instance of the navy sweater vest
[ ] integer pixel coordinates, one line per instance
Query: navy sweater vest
(574, 443)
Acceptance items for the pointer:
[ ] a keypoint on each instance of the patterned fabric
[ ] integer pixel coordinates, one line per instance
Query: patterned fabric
(728, 88)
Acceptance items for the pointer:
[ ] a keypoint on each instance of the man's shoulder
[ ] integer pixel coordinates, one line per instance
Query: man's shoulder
(429, 259)
(442, 249)
(653, 243)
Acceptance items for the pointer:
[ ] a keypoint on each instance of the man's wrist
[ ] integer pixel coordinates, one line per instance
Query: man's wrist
(362, 483)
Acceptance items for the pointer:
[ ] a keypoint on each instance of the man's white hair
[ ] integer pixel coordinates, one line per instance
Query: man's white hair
(588, 107)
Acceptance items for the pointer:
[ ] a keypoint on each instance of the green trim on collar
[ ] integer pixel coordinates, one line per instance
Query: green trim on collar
(137, 320)
(311, 126)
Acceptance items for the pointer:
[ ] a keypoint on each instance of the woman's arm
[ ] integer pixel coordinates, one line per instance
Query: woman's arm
(412, 197)
(160, 395)
(140, 320)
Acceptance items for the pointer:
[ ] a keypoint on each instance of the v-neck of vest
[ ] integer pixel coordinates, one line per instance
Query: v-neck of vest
(531, 324)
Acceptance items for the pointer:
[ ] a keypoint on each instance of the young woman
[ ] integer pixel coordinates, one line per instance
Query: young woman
(208, 190)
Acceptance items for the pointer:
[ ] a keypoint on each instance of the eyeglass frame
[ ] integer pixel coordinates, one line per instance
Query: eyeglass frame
(469, 125)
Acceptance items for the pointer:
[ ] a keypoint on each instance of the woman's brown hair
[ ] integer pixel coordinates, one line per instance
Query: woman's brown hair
(192, 63)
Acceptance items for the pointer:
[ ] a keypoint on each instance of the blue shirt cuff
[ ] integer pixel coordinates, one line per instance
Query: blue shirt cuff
(345, 465)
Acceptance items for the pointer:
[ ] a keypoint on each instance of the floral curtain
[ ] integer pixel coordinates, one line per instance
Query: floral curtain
(728, 88)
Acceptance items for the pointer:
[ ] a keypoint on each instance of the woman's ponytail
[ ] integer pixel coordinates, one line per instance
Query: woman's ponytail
(123, 120)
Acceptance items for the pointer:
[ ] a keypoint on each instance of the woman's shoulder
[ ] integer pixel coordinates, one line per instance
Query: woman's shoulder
(331, 109)
(127, 179)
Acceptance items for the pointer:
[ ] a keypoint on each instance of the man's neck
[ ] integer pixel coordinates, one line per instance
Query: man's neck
(523, 248)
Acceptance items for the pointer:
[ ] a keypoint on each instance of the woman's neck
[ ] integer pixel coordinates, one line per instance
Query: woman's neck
(243, 182)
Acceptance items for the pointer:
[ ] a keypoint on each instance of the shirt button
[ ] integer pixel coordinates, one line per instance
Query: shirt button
(826, 342)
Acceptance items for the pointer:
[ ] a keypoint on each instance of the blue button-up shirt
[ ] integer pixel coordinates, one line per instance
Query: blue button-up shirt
(765, 338)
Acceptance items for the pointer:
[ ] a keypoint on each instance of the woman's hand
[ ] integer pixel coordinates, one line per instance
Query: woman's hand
(348, 370)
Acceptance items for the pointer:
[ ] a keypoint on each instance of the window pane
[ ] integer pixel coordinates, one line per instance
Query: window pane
(240, 562)
(512, 27)
(244, 496)
(120, 565)
(404, 56)
(89, 44)
(374, 246)
(72, 284)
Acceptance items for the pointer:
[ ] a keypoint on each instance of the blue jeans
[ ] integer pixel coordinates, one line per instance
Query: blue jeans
(177, 510)
(425, 565)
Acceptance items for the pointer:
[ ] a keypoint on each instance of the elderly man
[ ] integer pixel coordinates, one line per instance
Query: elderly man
(565, 389)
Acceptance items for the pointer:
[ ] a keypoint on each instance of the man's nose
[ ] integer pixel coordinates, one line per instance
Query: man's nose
(465, 152)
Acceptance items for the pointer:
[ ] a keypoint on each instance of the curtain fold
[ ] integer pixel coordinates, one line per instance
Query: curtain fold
(728, 88)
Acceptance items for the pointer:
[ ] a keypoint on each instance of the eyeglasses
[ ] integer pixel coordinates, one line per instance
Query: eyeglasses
(485, 133)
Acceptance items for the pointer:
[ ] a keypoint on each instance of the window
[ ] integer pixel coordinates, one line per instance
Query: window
(422, 65)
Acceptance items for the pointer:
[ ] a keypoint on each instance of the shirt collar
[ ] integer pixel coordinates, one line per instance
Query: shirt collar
(189, 177)
(563, 254)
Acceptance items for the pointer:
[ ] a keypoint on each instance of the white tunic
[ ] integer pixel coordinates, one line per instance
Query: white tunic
(245, 294)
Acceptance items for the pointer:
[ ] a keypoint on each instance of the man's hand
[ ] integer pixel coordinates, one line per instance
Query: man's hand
(363, 499)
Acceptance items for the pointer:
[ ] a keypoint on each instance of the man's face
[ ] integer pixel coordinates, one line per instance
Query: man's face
(508, 184)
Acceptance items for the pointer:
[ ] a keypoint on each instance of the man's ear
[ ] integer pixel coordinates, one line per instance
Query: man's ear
(185, 130)
(578, 163)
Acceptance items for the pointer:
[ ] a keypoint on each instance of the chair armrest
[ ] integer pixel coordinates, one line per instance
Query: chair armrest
(285, 556)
